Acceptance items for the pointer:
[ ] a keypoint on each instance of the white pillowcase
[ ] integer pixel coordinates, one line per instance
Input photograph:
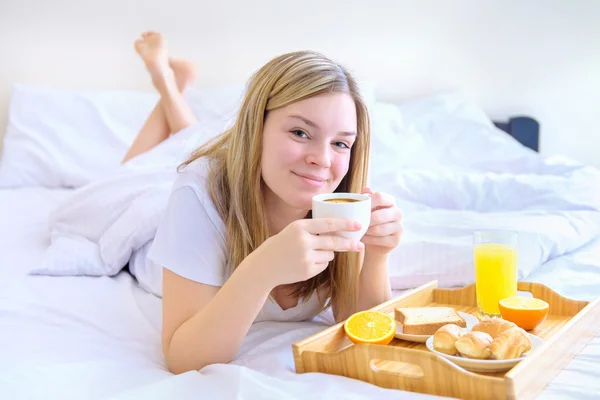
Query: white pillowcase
(440, 131)
(63, 138)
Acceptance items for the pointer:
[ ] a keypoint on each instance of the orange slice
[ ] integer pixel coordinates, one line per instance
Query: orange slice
(372, 327)
(526, 312)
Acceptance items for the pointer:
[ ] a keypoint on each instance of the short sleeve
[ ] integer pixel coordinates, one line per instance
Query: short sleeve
(188, 242)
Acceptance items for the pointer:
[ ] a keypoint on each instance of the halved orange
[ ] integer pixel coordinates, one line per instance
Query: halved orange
(372, 327)
(526, 312)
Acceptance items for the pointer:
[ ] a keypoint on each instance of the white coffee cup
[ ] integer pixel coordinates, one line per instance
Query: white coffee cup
(351, 206)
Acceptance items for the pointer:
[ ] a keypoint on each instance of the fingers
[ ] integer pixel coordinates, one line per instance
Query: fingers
(320, 226)
(366, 191)
(336, 243)
(320, 267)
(382, 200)
(385, 215)
(389, 228)
(385, 228)
(390, 241)
(323, 256)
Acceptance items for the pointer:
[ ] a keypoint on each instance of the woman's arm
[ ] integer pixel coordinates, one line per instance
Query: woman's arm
(205, 324)
(374, 282)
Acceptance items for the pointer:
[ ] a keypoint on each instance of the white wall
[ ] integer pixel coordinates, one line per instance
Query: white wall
(536, 57)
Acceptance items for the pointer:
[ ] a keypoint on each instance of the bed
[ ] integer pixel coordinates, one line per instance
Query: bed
(67, 334)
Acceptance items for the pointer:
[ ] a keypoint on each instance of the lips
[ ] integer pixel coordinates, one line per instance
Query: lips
(311, 177)
(312, 180)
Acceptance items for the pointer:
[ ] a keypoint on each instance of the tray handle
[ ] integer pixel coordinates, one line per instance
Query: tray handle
(415, 370)
(412, 366)
(559, 305)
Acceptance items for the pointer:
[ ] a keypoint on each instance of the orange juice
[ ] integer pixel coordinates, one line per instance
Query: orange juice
(495, 275)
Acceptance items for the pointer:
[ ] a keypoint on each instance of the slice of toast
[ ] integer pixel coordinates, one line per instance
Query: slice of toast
(427, 320)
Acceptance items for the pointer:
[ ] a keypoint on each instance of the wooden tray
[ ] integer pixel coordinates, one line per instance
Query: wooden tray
(570, 325)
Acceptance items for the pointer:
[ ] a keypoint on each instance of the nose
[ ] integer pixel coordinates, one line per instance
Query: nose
(319, 155)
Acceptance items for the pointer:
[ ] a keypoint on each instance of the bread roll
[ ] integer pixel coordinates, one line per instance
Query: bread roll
(475, 345)
(493, 327)
(445, 338)
(510, 344)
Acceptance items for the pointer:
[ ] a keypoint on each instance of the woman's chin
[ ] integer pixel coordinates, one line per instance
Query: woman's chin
(301, 202)
(301, 199)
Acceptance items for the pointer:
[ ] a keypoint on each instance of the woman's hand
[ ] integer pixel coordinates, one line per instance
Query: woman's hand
(303, 249)
(385, 228)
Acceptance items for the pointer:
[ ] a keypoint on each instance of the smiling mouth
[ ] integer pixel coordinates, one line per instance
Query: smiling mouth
(312, 178)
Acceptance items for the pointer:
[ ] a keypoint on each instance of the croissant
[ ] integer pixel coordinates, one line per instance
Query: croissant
(445, 338)
(511, 343)
(475, 345)
(493, 327)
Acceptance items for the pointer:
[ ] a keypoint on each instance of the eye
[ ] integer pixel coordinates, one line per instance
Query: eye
(299, 133)
(342, 145)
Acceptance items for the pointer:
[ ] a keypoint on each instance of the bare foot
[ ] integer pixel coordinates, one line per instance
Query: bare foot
(185, 72)
(152, 47)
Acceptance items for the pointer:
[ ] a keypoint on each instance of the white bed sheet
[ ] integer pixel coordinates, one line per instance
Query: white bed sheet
(87, 337)
(24, 227)
(73, 337)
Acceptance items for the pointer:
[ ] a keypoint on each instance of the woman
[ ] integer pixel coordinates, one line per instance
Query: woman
(237, 243)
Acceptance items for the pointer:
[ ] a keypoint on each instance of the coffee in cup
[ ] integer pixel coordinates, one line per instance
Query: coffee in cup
(340, 200)
(352, 206)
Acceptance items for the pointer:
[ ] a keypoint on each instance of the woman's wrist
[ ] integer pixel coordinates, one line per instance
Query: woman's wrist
(375, 260)
(374, 281)
(256, 273)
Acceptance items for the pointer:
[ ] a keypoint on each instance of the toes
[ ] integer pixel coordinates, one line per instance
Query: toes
(151, 35)
(139, 45)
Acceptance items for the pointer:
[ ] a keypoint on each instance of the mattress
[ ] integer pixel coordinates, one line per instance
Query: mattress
(99, 337)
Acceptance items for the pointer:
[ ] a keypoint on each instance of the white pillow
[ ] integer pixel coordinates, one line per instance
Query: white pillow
(63, 138)
(455, 131)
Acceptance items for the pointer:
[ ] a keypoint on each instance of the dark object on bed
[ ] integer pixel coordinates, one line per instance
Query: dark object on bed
(525, 129)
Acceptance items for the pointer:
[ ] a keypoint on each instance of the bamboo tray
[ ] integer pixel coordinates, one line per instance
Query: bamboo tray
(570, 325)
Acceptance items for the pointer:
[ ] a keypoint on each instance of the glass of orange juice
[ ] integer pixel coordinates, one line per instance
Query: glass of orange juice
(495, 253)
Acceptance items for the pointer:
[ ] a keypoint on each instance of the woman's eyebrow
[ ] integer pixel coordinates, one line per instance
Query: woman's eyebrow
(306, 121)
(314, 125)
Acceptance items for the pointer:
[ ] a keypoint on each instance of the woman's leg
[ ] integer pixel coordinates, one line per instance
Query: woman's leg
(170, 77)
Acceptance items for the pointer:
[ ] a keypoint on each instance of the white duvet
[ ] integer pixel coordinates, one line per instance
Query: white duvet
(451, 174)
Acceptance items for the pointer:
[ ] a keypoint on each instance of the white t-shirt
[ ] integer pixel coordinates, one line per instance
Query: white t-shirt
(190, 242)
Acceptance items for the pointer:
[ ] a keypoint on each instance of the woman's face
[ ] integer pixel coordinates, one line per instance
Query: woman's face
(306, 147)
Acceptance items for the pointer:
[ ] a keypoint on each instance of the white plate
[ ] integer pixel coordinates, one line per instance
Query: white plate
(486, 365)
(469, 319)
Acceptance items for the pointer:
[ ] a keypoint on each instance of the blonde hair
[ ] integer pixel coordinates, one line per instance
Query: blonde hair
(235, 180)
